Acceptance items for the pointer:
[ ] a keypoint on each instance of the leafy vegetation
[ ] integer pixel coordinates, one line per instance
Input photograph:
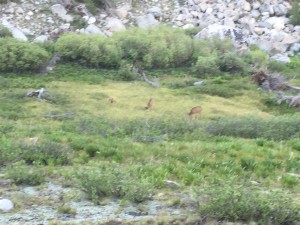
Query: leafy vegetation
(243, 141)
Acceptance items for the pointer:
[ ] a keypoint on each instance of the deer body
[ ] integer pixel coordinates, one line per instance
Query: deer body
(112, 100)
(150, 104)
(195, 112)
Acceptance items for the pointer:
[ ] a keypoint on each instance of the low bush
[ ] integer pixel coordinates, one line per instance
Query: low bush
(238, 203)
(48, 153)
(278, 128)
(20, 56)
(206, 67)
(112, 181)
(23, 174)
(232, 62)
(295, 13)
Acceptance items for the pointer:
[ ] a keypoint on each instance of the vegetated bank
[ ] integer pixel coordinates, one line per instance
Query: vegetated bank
(238, 162)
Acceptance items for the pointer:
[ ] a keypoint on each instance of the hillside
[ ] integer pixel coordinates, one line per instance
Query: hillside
(75, 149)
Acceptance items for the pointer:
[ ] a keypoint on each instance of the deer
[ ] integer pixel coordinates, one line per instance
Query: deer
(195, 112)
(150, 104)
(111, 101)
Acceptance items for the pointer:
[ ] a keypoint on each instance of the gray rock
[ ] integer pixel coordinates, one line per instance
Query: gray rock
(146, 21)
(61, 12)
(93, 29)
(295, 47)
(199, 83)
(41, 38)
(6, 205)
(280, 58)
(264, 45)
(221, 32)
(155, 11)
(114, 24)
(16, 33)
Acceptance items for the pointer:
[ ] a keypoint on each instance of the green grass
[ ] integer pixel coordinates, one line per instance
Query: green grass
(147, 147)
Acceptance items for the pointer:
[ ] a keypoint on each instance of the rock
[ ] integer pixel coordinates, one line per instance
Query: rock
(277, 23)
(171, 184)
(42, 38)
(91, 20)
(61, 12)
(188, 26)
(122, 13)
(93, 29)
(247, 6)
(114, 24)
(6, 205)
(146, 21)
(16, 33)
(155, 11)
(295, 47)
(199, 83)
(258, 30)
(264, 45)
(280, 58)
(221, 32)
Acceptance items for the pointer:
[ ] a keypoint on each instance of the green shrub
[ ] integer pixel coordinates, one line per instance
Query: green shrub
(257, 58)
(91, 149)
(289, 180)
(155, 48)
(89, 50)
(278, 128)
(206, 66)
(4, 32)
(29, 175)
(236, 203)
(66, 209)
(48, 153)
(112, 181)
(295, 13)
(126, 73)
(231, 62)
(19, 56)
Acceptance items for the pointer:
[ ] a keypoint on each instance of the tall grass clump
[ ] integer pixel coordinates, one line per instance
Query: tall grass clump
(89, 50)
(20, 56)
(242, 204)
(277, 128)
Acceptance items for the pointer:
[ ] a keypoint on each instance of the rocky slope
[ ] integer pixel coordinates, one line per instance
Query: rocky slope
(264, 23)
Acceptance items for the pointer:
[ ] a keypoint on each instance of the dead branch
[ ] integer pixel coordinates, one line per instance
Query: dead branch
(37, 93)
(143, 74)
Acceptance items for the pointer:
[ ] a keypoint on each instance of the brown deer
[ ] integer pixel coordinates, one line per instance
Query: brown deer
(150, 104)
(195, 112)
(112, 100)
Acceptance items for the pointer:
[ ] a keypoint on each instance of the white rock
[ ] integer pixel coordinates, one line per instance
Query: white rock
(209, 10)
(247, 6)
(6, 205)
(91, 20)
(188, 26)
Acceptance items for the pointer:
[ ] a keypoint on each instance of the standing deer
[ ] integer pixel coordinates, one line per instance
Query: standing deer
(150, 104)
(112, 100)
(195, 112)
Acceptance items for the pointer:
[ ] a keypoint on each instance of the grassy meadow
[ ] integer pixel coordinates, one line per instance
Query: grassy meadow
(239, 162)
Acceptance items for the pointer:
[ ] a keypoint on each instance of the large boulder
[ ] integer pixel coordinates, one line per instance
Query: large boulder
(114, 24)
(16, 32)
(61, 12)
(146, 21)
(93, 29)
